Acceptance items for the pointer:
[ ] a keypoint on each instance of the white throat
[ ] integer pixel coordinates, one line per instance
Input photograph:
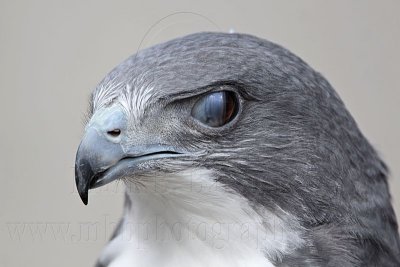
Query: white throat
(188, 219)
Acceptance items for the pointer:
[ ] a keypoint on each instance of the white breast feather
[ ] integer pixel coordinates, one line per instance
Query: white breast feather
(188, 219)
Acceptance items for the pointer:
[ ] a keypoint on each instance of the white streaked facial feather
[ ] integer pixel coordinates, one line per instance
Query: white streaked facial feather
(133, 97)
(189, 219)
(134, 101)
(106, 93)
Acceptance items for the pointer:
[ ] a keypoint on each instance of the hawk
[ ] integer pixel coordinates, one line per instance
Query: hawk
(234, 152)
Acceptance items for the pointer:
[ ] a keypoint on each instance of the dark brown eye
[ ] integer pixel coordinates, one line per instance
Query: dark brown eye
(216, 109)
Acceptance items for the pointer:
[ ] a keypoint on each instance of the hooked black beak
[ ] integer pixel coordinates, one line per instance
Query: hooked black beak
(101, 159)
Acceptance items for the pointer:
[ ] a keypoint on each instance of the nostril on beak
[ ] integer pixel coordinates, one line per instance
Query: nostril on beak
(114, 133)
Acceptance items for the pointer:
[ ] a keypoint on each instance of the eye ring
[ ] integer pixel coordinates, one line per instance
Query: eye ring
(216, 109)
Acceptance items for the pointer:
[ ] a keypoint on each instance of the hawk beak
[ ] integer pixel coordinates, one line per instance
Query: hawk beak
(101, 159)
(96, 153)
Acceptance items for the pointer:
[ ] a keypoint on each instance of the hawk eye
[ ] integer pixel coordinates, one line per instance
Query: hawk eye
(216, 109)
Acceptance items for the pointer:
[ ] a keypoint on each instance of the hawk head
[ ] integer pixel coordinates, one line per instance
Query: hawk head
(264, 132)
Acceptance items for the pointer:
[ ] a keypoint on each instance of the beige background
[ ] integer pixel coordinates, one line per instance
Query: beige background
(52, 54)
